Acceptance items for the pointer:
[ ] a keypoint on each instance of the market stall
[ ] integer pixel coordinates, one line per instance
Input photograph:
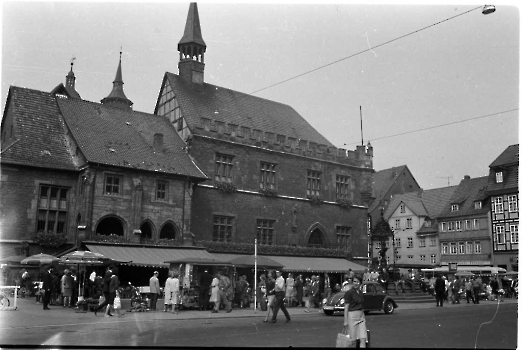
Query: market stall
(189, 270)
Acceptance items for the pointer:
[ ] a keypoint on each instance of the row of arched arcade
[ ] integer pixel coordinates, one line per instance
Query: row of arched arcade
(117, 226)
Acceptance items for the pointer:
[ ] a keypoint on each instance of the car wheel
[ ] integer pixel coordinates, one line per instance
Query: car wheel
(388, 307)
(328, 312)
(366, 312)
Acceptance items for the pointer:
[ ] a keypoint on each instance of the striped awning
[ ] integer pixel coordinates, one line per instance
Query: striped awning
(148, 256)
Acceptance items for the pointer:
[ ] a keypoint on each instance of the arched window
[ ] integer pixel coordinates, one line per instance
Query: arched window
(168, 231)
(110, 225)
(316, 238)
(146, 230)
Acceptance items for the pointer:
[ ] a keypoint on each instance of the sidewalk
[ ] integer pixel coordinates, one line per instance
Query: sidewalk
(30, 313)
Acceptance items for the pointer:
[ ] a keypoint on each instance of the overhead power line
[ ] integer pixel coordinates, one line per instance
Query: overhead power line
(435, 126)
(361, 52)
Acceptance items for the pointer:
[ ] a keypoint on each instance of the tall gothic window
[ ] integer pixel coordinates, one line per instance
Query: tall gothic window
(315, 239)
(52, 209)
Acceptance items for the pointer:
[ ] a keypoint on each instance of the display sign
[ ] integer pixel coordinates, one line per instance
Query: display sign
(452, 267)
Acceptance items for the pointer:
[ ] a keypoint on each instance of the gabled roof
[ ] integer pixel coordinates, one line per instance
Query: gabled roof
(383, 181)
(65, 90)
(241, 109)
(508, 163)
(105, 135)
(39, 131)
(508, 157)
(125, 138)
(428, 203)
(471, 190)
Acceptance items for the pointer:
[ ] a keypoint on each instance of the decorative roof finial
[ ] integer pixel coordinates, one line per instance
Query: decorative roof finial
(72, 62)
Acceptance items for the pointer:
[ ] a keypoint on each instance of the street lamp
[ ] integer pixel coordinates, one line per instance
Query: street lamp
(487, 9)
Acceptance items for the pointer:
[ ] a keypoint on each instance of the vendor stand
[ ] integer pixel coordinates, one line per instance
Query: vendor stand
(189, 270)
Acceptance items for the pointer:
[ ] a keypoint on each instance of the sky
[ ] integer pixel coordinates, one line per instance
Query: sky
(437, 86)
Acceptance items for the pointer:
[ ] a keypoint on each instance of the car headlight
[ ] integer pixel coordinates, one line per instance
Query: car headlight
(341, 302)
(324, 301)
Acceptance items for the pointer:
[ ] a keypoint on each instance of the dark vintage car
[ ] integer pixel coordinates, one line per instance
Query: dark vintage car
(375, 299)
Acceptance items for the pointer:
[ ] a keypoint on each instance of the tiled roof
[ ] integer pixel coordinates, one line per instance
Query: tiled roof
(39, 129)
(383, 180)
(508, 157)
(508, 163)
(241, 109)
(428, 203)
(125, 138)
(471, 190)
(67, 90)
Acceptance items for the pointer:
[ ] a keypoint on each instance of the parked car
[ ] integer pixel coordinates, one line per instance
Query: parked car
(375, 299)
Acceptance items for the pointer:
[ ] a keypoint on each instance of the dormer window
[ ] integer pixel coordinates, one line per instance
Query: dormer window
(454, 207)
(499, 177)
(427, 223)
(478, 205)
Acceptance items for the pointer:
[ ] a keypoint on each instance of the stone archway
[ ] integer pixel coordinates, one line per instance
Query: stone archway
(147, 230)
(168, 231)
(110, 225)
(316, 236)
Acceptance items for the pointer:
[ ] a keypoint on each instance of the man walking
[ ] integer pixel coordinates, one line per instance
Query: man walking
(440, 288)
(154, 290)
(223, 285)
(205, 280)
(456, 290)
(279, 298)
(476, 289)
(469, 291)
(47, 286)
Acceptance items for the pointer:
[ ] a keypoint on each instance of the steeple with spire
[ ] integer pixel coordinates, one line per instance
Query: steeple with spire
(192, 49)
(117, 97)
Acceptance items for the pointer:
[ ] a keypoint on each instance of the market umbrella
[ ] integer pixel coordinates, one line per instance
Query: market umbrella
(40, 259)
(84, 258)
(13, 259)
(510, 273)
(464, 273)
(250, 260)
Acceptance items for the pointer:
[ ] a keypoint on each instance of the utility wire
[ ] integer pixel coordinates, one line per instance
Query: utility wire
(436, 126)
(361, 52)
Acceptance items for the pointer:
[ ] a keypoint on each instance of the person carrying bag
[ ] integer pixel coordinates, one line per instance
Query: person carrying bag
(343, 339)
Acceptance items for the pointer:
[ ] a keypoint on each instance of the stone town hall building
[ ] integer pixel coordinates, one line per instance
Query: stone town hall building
(210, 164)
